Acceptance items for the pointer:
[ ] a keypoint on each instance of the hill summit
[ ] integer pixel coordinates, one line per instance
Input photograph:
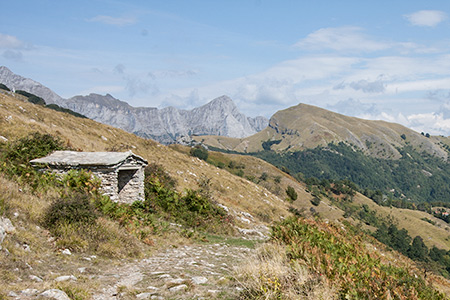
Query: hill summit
(305, 126)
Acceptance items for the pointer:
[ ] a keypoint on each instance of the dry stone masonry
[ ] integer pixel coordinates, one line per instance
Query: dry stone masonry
(121, 173)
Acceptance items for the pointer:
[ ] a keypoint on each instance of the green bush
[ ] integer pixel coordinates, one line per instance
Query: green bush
(200, 152)
(315, 201)
(15, 158)
(33, 146)
(80, 181)
(193, 208)
(292, 194)
(264, 176)
(75, 209)
(156, 172)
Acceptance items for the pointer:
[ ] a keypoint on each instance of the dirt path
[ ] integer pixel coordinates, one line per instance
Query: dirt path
(186, 272)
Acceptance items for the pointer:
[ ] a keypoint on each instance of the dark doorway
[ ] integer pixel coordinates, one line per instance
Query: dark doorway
(125, 176)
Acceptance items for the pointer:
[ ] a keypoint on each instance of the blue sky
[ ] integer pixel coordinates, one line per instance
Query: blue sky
(387, 60)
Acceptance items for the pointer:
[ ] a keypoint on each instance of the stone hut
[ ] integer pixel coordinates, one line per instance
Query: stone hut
(121, 173)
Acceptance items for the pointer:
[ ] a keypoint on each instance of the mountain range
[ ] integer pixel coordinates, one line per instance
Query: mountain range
(166, 125)
(220, 124)
(305, 126)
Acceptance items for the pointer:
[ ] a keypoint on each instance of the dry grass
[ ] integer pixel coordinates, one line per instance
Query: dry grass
(18, 119)
(437, 235)
(270, 275)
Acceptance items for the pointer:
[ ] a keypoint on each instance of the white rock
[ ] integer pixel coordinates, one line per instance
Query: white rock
(178, 288)
(55, 294)
(165, 277)
(29, 292)
(156, 273)
(176, 281)
(3, 139)
(66, 252)
(35, 278)
(199, 279)
(5, 227)
(65, 278)
(143, 295)
(82, 270)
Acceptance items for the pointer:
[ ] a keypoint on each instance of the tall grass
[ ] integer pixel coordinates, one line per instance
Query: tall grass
(271, 274)
(343, 259)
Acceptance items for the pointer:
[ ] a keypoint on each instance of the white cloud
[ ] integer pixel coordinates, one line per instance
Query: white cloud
(429, 18)
(377, 86)
(11, 42)
(13, 55)
(432, 122)
(117, 21)
(104, 89)
(355, 108)
(172, 73)
(341, 39)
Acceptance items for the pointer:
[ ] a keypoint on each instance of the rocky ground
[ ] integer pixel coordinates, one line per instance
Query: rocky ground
(186, 272)
(196, 271)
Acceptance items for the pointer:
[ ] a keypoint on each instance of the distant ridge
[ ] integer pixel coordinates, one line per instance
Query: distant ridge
(167, 125)
(305, 126)
(218, 117)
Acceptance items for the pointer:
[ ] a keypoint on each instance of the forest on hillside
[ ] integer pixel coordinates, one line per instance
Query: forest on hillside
(415, 177)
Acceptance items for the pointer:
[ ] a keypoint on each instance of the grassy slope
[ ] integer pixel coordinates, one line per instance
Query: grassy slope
(411, 220)
(18, 118)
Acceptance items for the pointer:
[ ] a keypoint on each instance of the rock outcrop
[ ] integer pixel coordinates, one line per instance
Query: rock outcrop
(5, 228)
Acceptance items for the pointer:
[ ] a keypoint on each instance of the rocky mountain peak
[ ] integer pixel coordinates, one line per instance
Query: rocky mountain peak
(17, 82)
(218, 117)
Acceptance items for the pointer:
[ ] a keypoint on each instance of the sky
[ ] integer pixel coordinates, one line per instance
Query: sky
(380, 60)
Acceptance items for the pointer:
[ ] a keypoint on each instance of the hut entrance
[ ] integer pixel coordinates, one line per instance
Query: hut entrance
(125, 178)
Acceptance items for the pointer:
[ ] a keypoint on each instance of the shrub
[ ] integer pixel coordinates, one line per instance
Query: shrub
(81, 181)
(200, 152)
(156, 172)
(33, 146)
(315, 201)
(193, 208)
(75, 209)
(15, 158)
(292, 194)
(263, 176)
